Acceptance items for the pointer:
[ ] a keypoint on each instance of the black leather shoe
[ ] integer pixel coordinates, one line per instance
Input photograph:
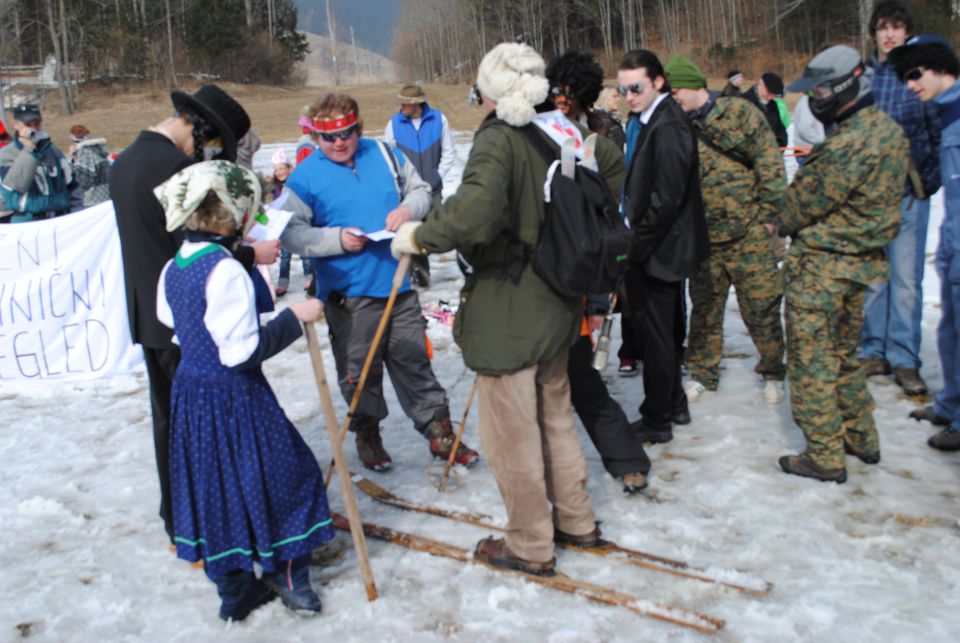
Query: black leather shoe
(802, 465)
(681, 415)
(650, 434)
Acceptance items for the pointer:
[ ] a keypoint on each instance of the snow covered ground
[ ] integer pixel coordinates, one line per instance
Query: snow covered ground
(85, 558)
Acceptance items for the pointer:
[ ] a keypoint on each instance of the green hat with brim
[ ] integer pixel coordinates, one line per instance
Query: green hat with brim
(682, 73)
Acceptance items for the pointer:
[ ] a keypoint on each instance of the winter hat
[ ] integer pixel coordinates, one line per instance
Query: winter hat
(773, 83)
(682, 73)
(925, 50)
(733, 73)
(237, 188)
(280, 158)
(27, 113)
(512, 74)
(220, 110)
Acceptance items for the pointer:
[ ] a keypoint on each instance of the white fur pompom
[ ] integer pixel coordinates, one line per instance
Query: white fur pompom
(512, 74)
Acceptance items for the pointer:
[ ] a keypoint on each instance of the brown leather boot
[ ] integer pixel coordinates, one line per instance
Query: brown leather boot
(440, 434)
(370, 446)
(494, 552)
(909, 380)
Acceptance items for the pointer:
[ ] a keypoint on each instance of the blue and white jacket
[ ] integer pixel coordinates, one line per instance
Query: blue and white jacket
(948, 251)
(428, 144)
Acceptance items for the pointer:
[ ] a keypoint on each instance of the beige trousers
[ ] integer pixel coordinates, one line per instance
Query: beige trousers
(530, 441)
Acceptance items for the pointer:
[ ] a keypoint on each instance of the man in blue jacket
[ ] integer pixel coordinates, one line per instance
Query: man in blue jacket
(930, 68)
(35, 177)
(890, 340)
(422, 133)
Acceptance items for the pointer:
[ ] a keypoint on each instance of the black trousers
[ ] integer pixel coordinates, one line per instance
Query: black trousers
(657, 318)
(620, 449)
(161, 366)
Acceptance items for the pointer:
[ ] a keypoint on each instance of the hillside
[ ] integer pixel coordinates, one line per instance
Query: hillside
(357, 66)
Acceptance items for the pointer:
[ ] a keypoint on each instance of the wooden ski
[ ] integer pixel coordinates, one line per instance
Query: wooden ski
(596, 593)
(608, 549)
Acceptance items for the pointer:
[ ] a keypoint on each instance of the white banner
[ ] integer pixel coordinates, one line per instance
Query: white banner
(63, 308)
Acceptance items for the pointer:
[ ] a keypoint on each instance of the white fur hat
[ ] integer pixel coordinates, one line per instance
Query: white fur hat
(512, 74)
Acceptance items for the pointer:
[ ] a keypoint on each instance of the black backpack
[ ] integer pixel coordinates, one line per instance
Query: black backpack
(584, 244)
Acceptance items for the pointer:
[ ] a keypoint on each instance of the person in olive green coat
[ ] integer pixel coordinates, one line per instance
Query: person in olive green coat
(840, 215)
(743, 182)
(516, 332)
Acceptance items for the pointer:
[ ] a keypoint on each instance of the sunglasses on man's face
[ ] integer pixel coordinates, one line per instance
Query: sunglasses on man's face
(343, 134)
(635, 88)
(566, 92)
(914, 74)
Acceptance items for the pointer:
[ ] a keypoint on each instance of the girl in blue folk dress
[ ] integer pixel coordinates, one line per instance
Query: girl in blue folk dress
(246, 488)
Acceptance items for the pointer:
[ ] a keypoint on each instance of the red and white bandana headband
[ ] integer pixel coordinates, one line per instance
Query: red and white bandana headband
(335, 124)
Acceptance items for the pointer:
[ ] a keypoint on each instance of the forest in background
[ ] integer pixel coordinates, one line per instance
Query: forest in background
(444, 40)
(253, 41)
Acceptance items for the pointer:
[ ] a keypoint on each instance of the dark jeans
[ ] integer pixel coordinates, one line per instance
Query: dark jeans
(285, 258)
(161, 366)
(606, 424)
(657, 316)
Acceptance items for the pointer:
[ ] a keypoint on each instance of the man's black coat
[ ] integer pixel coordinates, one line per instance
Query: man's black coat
(662, 197)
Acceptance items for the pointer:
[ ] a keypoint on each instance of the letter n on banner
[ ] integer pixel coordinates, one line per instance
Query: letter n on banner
(63, 308)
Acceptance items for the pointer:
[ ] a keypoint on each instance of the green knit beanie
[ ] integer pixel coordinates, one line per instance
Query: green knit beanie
(682, 73)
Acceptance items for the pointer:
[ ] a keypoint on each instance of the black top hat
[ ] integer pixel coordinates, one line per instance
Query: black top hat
(221, 111)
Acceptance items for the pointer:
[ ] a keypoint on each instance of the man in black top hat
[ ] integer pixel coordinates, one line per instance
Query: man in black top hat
(206, 125)
(36, 179)
(768, 88)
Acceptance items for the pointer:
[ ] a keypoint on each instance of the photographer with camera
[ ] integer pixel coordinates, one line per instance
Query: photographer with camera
(35, 176)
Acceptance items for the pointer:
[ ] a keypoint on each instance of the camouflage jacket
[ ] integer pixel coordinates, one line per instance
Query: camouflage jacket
(843, 206)
(738, 194)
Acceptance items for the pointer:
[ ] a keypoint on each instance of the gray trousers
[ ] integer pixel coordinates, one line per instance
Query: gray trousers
(403, 350)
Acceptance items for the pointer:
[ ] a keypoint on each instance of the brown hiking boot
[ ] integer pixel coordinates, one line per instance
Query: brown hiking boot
(370, 447)
(946, 440)
(440, 434)
(867, 457)
(875, 366)
(909, 380)
(927, 414)
(494, 552)
(590, 539)
(802, 465)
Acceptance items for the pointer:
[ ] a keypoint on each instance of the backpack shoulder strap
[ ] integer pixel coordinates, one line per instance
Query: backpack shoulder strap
(391, 160)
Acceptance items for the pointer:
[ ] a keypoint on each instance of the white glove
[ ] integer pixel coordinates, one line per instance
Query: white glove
(403, 243)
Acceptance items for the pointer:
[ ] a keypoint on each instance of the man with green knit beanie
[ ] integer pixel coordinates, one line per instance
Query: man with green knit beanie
(743, 182)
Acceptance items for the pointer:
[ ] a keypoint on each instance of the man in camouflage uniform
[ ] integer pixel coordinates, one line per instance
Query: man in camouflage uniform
(840, 214)
(743, 183)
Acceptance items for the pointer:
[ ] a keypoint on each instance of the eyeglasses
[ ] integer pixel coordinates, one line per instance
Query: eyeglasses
(566, 92)
(914, 74)
(344, 134)
(635, 88)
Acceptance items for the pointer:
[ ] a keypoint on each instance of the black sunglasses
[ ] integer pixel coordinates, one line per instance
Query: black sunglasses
(636, 88)
(343, 134)
(562, 91)
(914, 74)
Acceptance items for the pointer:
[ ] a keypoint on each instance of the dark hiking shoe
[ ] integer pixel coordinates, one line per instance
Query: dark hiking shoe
(370, 447)
(494, 552)
(681, 414)
(875, 366)
(909, 380)
(629, 367)
(241, 593)
(634, 483)
(649, 434)
(867, 457)
(329, 551)
(292, 583)
(802, 465)
(591, 539)
(946, 440)
(420, 272)
(440, 434)
(927, 414)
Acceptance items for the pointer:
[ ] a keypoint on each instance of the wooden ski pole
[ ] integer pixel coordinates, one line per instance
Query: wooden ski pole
(346, 489)
(401, 273)
(456, 441)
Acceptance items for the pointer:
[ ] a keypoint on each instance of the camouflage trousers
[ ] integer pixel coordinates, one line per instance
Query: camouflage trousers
(749, 265)
(828, 390)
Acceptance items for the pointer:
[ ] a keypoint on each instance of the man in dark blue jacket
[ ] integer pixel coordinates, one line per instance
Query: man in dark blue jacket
(891, 327)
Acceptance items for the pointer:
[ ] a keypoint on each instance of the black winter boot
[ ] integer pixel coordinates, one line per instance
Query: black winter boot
(241, 593)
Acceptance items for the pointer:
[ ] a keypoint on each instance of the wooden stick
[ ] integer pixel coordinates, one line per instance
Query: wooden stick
(346, 489)
(398, 276)
(456, 441)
